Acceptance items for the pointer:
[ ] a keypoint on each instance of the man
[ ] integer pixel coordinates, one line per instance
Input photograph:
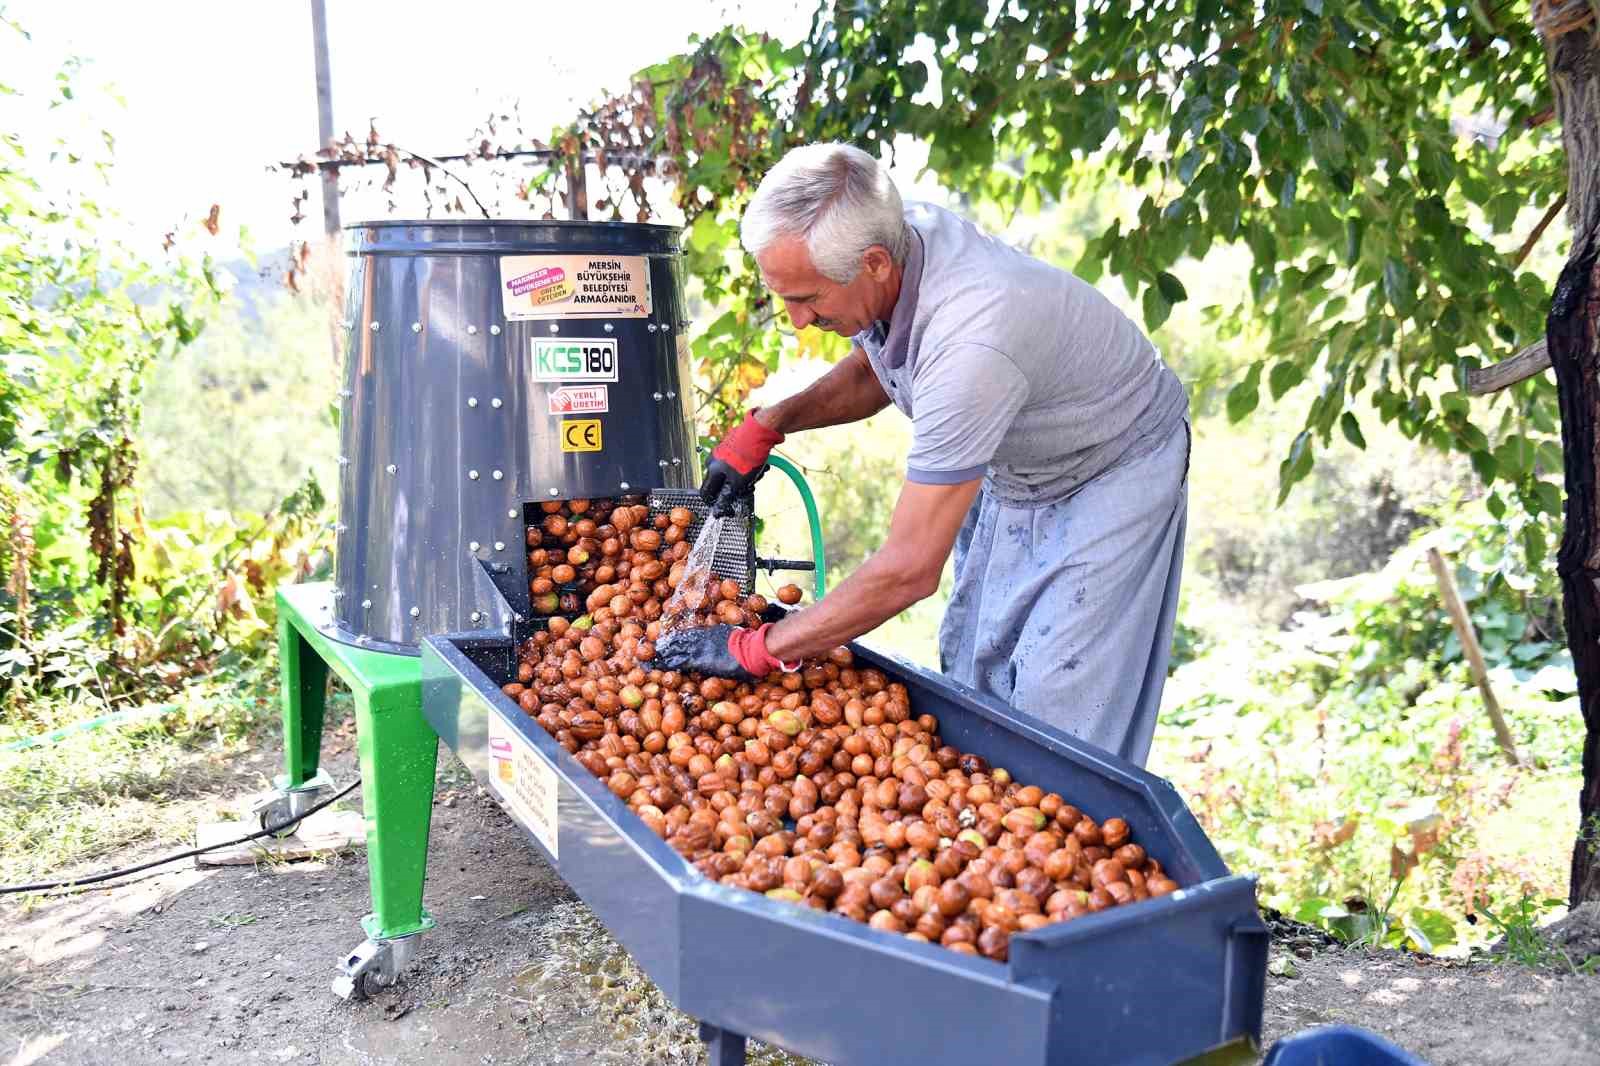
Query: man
(1050, 449)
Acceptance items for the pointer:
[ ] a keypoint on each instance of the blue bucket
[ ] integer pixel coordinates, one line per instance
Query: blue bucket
(1338, 1045)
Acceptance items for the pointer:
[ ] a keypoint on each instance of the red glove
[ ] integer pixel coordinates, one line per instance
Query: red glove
(721, 651)
(737, 463)
(749, 648)
(747, 445)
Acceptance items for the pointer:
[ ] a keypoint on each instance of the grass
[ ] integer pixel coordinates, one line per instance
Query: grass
(96, 792)
(1539, 823)
(233, 921)
(1530, 839)
(1523, 942)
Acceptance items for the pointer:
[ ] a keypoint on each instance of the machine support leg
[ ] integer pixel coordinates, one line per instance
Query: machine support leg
(398, 756)
(722, 1047)
(305, 700)
(303, 677)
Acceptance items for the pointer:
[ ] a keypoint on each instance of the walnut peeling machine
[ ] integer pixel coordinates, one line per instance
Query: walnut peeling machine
(492, 366)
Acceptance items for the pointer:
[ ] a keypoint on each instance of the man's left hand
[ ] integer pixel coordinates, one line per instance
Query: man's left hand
(719, 650)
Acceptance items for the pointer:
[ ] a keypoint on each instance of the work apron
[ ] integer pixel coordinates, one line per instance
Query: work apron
(1065, 610)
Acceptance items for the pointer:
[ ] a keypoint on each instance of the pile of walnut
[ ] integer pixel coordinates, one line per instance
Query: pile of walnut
(820, 787)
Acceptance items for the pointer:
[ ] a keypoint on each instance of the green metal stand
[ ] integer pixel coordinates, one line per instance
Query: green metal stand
(399, 752)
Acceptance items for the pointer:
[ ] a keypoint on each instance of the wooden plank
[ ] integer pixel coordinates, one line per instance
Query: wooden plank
(325, 831)
(1534, 359)
(1469, 644)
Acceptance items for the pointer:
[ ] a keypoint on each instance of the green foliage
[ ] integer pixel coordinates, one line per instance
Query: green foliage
(715, 112)
(264, 363)
(102, 605)
(74, 347)
(1347, 760)
(1358, 922)
(1348, 517)
(1515, 610)
(856, 497)
(1377, 161)
(1518, 926)
(1188, 644)
(1374, 157)
(201, 599)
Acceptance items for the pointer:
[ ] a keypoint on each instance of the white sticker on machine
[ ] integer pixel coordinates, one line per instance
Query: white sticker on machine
(577, 359)
(575, 286)
(525, 781)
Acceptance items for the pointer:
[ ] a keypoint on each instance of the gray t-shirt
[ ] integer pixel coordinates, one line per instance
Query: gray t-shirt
(1013, 368)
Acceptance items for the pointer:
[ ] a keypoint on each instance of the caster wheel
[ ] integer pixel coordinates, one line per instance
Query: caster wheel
(375, 965)
(363, 987)
(271, 819)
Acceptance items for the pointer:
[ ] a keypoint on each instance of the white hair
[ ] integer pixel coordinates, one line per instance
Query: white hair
(838, 199)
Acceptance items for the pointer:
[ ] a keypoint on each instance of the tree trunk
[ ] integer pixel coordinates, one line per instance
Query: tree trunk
(1572, 348)
(1573, 337)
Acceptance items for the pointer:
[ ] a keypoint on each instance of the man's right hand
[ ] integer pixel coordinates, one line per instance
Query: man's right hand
(737, 464)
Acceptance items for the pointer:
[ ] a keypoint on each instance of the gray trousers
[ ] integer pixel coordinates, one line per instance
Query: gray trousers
(1065, 611)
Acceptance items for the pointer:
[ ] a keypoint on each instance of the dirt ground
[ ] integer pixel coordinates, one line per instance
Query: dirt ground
(233, 965)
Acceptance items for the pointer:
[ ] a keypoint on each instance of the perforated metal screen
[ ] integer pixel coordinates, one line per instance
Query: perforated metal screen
(735, 555)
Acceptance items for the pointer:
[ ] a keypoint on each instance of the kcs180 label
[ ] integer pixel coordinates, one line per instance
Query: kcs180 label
(574, 360)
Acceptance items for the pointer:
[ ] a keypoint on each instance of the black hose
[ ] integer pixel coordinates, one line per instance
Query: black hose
(111, 875)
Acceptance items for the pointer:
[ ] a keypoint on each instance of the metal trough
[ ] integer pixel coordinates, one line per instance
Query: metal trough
(1158, 981)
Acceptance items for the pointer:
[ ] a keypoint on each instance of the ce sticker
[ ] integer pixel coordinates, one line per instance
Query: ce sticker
(580, 435)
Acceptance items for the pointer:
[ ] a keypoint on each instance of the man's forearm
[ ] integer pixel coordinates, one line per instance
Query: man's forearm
(881, 588)
(847, 393)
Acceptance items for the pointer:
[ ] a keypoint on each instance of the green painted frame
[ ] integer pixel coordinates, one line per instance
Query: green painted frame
(398, 750)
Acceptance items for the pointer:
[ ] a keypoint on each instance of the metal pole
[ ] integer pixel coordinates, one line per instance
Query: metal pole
(330, 176)
(577, 189)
